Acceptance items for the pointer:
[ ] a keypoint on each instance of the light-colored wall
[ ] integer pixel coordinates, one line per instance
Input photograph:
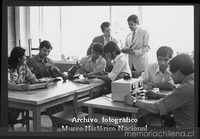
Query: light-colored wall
(11, 29)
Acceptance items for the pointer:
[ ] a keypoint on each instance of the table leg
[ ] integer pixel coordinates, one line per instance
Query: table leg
(90, 112)
(133, 115)
(27, 121)
(36, 119)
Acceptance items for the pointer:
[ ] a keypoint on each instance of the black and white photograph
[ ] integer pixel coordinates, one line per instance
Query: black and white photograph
(101, 69)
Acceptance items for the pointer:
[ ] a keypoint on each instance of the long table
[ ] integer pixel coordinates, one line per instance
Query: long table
(106, 102)
(41, 99)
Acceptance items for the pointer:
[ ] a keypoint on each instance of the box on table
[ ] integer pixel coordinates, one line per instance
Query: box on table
(120, 88)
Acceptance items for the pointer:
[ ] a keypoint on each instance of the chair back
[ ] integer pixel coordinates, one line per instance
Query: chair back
(30, 47)
(80, 97)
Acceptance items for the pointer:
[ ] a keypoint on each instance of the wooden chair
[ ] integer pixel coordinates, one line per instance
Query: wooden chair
(72, 110)
(24, 120)
(30, 47)
(165, 120)
(157, 116)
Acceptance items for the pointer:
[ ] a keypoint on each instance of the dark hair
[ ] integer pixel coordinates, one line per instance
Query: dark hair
(97, 47)
(16, 53)
(104, 25)
(163, 51)
(133, 18)
(111, 47)
(182, 62)
(45, 44)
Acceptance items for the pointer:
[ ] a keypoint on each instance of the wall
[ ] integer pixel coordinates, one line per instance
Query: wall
(11, 29)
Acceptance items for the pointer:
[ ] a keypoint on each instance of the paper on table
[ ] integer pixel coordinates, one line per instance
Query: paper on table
(87, 81)
(49, 79)
(156, 90)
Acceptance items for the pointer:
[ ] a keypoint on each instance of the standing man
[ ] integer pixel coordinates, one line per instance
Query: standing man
(137, 46)
(104, 38)
(41, 65)
(181, 99)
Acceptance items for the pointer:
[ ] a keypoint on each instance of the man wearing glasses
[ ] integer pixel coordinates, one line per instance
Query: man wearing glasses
(94, 63)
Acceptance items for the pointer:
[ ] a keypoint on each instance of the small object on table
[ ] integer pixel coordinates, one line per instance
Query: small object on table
(157, 90)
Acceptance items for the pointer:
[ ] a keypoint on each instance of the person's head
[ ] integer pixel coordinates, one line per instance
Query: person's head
(111, 50)
(45, 48)
(164, 54)
(17, 57)
(97, 50)
(181, 66)
(133, 22)
(105, 28)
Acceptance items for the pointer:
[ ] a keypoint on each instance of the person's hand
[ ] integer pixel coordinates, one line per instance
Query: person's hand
(151, 94)
(92, 76)
(128, 99)
(125, 50)
(149, 86)
(26, 87)
(64, 78)
(131, 51)
(42, 80)
(47, 85)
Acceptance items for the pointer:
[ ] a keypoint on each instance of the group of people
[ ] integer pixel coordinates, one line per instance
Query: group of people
(106, 61)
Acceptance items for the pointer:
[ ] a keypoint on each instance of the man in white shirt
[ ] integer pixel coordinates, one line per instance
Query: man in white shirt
(120, 65)
(157, 75)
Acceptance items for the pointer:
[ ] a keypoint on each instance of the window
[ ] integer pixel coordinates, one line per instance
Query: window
(169, 26)
(79, 25)
(71, 29)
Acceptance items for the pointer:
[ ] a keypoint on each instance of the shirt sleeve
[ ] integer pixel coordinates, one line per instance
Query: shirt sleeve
(172, 101)
(116, 70)
(30, 76)
(145, 75)
(171, 81)
(30, 64)
(145, 47)
(146, 39)
(101, 65)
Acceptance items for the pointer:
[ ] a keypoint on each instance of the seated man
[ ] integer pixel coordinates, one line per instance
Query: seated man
(41, 65)
(93, 63)
(157, 75)
(120, 66)
(180, 101)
